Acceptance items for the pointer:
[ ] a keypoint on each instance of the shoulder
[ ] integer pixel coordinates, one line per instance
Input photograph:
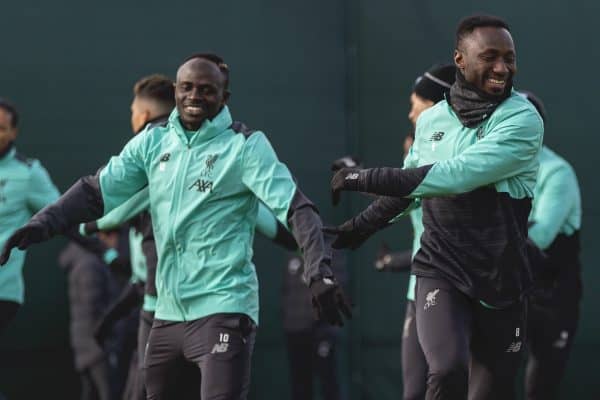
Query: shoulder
(517, 109)
(24, 160)
(438, 110)
(242, 128)
(33, 166)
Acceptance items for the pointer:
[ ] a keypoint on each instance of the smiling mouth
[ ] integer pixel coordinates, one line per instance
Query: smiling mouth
(193, 109)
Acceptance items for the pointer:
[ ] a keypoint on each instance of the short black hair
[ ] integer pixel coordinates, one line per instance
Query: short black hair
(12, 110)
(217, 60)
(156, 87)
(467, 25)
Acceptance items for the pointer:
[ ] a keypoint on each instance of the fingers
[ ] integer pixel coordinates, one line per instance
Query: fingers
(5, 254)
(335, 197)
(13, 241)
(337, 185)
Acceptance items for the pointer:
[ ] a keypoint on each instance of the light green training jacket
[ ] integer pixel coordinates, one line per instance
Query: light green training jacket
(266, 224)
(25, 188)
(204, 193)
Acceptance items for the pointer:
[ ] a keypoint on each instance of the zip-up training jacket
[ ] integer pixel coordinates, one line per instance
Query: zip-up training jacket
(143, 259)
(25, 188)
(475, 186)
(204, 192)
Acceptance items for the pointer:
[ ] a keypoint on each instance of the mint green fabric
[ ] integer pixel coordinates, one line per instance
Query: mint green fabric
(139, 268)
(416, 218)
(266, 223)
(556, 202)
(149, 303)
(25, 188)
(502, 151)
(133, 206)
(204, 193)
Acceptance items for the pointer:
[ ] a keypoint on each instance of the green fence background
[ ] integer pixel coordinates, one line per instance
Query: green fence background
(321, 78)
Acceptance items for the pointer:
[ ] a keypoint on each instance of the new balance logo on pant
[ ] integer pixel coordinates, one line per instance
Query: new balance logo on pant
(223, 344)
(514, 347)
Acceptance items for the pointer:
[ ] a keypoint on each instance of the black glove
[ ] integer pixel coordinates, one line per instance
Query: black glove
(345, 162)
(24, 237)
(348, 237)
(346, 179)
(329, 301)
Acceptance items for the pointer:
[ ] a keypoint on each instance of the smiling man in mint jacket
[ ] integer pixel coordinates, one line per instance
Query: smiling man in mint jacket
(205, 176)
(473, 166)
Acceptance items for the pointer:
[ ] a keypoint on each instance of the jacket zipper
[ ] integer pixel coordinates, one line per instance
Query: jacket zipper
(179, 185)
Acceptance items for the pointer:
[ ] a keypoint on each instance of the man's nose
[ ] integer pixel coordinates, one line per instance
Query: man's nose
(500, 68)
(194, 93)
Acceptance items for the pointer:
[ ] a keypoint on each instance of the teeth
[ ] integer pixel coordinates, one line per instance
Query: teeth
(193, 109)
(496, 81)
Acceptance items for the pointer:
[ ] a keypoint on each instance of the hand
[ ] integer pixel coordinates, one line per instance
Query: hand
(345, 162)
(345, 179)
(383, 257)
(347, 237)
(23, 238)
(329, 301)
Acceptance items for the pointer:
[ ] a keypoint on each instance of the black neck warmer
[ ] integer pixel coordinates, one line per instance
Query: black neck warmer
(472, 105)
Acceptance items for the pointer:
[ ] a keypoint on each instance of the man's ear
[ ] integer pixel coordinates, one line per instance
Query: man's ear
(459, 60)
(15, 133)
(147, 117)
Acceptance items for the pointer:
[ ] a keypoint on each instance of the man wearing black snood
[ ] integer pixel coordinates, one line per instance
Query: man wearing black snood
(473, 168)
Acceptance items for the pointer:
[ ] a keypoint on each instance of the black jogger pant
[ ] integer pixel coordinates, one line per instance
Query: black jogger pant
(472, 351)
(312, 353)
(414, 365)
(550, 335)
(95, 384)
(220, 345)
(8, 311)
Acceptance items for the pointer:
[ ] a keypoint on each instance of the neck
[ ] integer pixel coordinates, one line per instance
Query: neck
(4, 151)
(191, 127)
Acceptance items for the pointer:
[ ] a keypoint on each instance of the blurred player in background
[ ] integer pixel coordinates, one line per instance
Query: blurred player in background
(89, 292)
(429, 88)
(555, 221)
(25, 188)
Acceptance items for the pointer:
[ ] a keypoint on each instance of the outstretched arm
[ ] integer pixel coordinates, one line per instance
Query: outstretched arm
(118, 216)
(354, 232)
(271, 181)
(508, 150)
(88, 199)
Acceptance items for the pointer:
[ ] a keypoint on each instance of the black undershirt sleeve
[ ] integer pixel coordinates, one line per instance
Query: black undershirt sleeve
(379, 213)
(306, 226)
(396, 182)
(81, 203)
